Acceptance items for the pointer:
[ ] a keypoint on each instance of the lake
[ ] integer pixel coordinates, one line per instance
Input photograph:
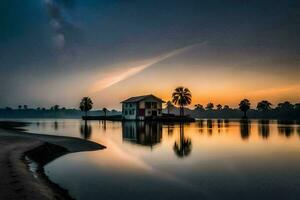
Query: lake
(208, 159)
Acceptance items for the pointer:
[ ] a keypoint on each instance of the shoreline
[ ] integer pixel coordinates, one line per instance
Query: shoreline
(18, 181)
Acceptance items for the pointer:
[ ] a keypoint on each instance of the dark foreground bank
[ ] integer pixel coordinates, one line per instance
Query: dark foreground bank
(17, 182)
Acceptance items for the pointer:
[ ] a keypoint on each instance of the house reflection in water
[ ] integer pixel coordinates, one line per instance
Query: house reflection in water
(143, 133)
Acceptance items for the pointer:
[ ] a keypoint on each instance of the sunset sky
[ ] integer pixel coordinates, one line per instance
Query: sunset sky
(57, 51)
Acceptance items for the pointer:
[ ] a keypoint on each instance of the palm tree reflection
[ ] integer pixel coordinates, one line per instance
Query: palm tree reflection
(264, 128)
(170, 128)
(245, 128)
(200, 124)
(209, 126)
(86, 131)
(285, 128)
(184, 147)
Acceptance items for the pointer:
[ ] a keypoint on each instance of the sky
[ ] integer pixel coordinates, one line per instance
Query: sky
(57, 51)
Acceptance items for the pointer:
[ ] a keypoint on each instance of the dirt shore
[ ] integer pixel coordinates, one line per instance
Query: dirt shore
(16, 181)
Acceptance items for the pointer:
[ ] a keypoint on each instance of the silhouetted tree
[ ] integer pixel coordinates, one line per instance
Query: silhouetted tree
(199, 107)
(226, 107)
(219, 107)
(105, 111)
(86, 105)
(264, 106)
(285, 106)
(209, 106)
(25, 107)
(244, 106)
(19, 107)
(56, 107)
(182, 97)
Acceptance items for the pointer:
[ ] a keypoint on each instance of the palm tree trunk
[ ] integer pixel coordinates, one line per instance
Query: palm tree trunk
(245, 114)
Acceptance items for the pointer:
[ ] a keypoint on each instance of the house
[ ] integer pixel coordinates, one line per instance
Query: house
(142, 107)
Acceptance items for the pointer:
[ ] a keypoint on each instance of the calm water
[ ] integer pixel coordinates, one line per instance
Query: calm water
(209, 159)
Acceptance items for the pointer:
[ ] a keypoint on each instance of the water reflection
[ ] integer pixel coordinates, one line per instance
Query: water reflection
(55, 125)
(86, 131)
(285, 128)
(245, 128)
(146, 134)
(209, 124)
(220, 124)
(184, 147)
(170, 128)
(264, 128)
(200, 125)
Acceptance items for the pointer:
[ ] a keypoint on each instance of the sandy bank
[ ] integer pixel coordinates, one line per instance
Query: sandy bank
(17, 182)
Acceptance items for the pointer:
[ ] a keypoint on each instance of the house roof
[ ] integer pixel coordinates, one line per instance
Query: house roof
(140, 98)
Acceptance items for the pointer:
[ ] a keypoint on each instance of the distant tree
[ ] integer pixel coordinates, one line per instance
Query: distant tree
(56, 107)
(199, 107)
(244, 106)
(209, 106)
(219, 107)
(19, 107)
(63, 108)
(25, 107)
(8, 108)
(182, 96)
(105, 111)
(264, 106)
(226, 107)
(285, 106)
(38, 108)
(86, 105)
(43, 109)
(169, 105)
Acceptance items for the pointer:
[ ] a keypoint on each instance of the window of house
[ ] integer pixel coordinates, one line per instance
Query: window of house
(148, 105)
(126, 112)
(130, 105)
(154, 105)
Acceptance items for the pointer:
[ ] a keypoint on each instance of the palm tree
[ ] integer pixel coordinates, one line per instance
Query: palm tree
(105, 111)
(264, 106)
(209, 106)
(219, 107)
(244, 106)
(86, 105)
(182, 96)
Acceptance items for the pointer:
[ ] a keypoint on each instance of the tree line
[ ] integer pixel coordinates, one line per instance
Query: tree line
(182, 97)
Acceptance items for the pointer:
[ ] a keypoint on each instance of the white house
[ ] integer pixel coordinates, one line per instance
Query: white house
(142, 107)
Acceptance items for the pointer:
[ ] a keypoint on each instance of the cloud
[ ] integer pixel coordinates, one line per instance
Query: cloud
(59, 21)
(116, 77)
